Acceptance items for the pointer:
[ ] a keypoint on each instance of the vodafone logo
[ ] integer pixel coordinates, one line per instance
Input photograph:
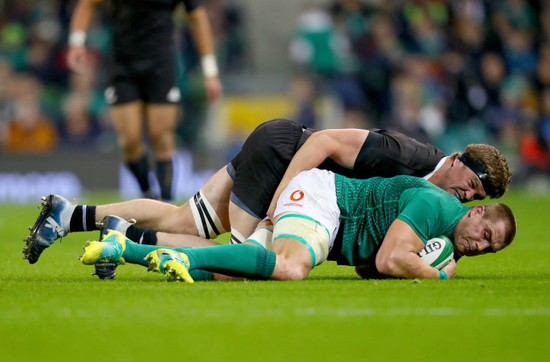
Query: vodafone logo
(297, 195)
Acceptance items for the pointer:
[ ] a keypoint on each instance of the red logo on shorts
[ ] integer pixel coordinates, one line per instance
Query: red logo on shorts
(297, 195)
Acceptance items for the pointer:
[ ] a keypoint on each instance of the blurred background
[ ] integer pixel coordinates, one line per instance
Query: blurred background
(448, 72)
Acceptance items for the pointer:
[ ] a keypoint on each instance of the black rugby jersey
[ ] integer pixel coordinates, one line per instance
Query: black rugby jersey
(144, 28)
(387, 153)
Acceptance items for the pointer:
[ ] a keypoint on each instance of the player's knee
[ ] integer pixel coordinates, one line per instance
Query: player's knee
(162, 139)
(298, 272)
(130, 144)
(290, 269)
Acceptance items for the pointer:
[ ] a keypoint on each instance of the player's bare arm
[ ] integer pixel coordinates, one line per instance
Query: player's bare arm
(80, 22)
(340, 145)
(204, 41)
(398, 255)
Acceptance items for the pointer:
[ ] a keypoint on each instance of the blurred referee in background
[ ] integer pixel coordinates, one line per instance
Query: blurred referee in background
(143, 84)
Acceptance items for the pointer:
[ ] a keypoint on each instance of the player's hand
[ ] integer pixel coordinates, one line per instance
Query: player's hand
(77, 59)
(450, 269)
(213, 87)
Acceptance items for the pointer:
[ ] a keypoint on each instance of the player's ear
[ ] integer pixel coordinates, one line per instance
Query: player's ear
(456, 162)
(478, 210)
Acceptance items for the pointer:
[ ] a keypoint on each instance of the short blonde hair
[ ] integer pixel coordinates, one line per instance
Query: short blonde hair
(498, 172)
(500, 212)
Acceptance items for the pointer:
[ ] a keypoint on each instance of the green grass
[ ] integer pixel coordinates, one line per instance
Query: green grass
(497, 308)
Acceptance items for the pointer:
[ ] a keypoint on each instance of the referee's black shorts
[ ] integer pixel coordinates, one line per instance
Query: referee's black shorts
(258, 169)
(151, 80)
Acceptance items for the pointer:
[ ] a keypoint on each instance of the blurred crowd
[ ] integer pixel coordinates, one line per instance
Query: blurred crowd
(446, 71)
(450, 72)
(43, 106)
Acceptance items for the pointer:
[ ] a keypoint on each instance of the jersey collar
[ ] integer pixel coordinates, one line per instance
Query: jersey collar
(439, 164)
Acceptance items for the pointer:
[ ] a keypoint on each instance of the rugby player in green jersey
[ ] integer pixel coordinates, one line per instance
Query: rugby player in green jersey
(325, 216)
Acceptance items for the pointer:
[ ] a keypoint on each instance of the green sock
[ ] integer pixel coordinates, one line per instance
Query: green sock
(135, 253)
(240, 260)
(199, 274)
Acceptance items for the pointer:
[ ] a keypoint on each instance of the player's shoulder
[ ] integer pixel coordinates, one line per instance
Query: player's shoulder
(407, 181)
(433, 197)
(405, 145)
(422, 190)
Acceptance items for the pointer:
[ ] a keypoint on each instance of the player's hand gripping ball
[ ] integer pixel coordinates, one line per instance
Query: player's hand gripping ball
(438, 252)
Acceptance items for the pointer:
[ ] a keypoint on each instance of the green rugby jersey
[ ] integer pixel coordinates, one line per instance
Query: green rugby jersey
(369, 207)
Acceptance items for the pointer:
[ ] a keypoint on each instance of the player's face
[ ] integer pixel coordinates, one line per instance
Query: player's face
(476, 235)
(463, 183)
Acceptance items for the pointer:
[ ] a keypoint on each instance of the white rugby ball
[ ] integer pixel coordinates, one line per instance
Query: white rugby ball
(438, 252)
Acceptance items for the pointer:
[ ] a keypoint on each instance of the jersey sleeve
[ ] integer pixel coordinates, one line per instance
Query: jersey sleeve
(430, 213)
(389, 153)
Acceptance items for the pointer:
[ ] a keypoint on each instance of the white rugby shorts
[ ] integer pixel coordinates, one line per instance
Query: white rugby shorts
(312, 193)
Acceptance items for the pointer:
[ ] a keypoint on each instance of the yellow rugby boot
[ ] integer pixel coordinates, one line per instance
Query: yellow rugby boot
(109, 250)
(173, 264)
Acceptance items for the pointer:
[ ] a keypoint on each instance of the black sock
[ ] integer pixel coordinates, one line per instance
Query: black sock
(165, 173)
(140, 169)
(141, 235)
(83, 218)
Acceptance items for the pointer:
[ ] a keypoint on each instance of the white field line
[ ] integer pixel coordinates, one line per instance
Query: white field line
(367, 312)
(306, 312)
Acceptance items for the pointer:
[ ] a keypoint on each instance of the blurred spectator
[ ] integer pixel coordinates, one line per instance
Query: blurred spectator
(323, 52)
(85, 110)
(27, 129)
(545, 122)
(425, 23)
(302, 91)
(416, 101)
(519, 52)
(6, 75)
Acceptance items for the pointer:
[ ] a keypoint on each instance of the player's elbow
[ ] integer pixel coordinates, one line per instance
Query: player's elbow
(387, 264)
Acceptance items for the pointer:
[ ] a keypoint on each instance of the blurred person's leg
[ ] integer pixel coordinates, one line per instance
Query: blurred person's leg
(128, 122)
(157, 83)
(161, 122)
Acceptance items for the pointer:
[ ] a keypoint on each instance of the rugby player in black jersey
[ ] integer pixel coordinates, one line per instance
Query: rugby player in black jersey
(143, 82)
(238, 196)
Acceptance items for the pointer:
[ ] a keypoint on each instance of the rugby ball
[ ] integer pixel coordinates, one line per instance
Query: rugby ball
(438, 252)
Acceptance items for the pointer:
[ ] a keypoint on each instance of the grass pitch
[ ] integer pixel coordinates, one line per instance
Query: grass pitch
(497, 308)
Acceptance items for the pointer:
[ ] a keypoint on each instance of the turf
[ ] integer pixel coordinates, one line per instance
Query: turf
(497, 308)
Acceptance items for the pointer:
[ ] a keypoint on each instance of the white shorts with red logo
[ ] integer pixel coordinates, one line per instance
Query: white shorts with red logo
(312, 193)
